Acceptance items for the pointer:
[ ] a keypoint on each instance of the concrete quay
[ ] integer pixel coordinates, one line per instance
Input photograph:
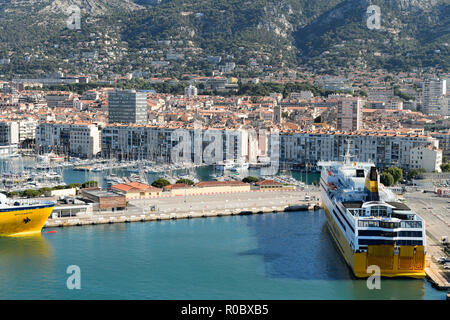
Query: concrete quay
(435, 211)
(203, 206)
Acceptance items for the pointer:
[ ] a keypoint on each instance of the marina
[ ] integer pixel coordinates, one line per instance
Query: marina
(26, 172)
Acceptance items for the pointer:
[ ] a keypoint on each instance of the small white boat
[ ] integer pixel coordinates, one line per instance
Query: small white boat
(225, 165)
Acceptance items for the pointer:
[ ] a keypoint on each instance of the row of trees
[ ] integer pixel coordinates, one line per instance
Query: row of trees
(445, 167)
(161, 183)
(34, 193)
(391, 176)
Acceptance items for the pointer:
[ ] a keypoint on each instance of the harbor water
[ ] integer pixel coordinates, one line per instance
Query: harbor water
(272, 256)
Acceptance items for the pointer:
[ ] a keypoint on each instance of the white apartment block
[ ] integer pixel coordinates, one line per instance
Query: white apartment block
(27, 130)
(9, 133)
(383, 149)
(433, 97)
(349, 117)
(190, 91)
(158, 143)
(426, 157)
(303, 95)
(81, 140)
(444, 143)
(380, 94)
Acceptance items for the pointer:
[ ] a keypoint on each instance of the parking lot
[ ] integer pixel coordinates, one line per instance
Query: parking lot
(436, 213)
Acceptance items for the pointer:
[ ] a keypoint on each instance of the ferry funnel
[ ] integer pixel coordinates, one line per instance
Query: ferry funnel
(371, 185)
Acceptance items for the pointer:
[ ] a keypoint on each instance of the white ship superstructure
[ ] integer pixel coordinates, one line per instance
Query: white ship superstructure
(369, 225)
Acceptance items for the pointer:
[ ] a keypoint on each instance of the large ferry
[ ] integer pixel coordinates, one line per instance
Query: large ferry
(23, 217)
(370, 226)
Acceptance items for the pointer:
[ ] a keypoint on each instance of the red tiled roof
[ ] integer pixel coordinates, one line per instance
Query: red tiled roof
(134, 186)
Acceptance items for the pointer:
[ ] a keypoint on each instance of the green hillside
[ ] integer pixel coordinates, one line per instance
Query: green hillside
(119, 36)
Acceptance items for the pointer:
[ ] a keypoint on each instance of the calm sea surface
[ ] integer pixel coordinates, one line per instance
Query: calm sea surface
(274, 256)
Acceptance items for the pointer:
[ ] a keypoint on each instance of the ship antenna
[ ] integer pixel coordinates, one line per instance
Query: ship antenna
(347, 156)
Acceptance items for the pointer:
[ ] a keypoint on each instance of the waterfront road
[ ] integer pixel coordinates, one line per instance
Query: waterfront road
(436, 213)
(435, 210)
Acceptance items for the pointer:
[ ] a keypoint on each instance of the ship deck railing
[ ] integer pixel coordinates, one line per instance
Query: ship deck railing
(29, 202)
(371, 223)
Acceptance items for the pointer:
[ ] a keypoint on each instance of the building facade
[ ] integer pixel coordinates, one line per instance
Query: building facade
(80, 140)
(444, 143)
(127, 106)
(384, 150)
(170, 145)
(9, 133)
(433, 97)
(349, 116)
(426, 157)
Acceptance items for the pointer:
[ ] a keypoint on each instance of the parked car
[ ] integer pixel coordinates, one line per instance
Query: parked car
(443, 260)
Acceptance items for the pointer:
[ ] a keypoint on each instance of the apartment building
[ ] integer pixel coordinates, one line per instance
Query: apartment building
(127, 106)
(59, 99)
(213, 146)
(191, 91)
(426, 157)
(27, 130)
(164, 144)
(76, 139)
(434, 100)
(349, 114)
(384, 149)
(9, 133)
(444, 143)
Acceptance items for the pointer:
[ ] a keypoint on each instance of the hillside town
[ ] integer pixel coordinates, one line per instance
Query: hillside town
(408, 130)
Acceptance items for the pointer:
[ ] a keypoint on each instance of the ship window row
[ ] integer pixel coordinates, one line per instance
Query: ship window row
(368, 242)
(381, 233)
(390, 225)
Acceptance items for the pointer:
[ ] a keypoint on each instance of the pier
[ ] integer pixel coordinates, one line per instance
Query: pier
(204, 206)
(437, 277)
(434, 210)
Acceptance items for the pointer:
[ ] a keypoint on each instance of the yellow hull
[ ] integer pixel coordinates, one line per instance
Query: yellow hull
(24, 221)
(408, 263)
